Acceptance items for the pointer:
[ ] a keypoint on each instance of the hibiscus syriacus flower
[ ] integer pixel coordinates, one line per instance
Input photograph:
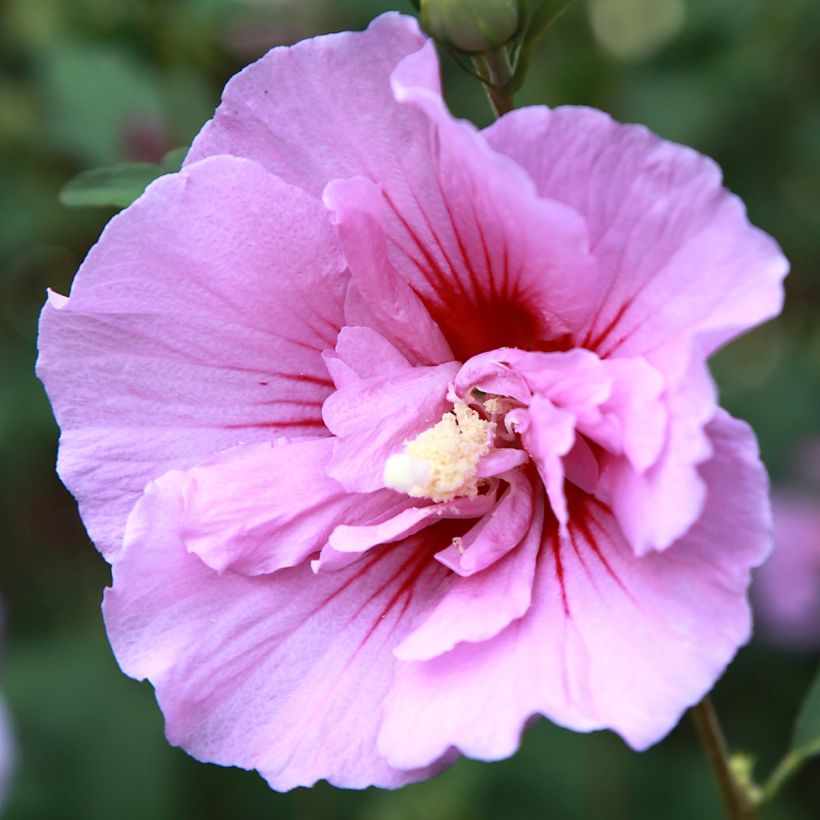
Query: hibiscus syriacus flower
(787, 588)
(397, 433)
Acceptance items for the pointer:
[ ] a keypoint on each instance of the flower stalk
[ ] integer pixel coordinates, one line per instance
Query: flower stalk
(496, 72)
(739, 801)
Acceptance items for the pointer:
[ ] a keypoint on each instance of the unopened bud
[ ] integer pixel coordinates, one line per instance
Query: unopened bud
(472, 26)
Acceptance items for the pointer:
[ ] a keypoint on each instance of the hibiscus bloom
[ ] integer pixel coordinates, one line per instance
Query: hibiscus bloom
(398, 433)
(787, 587)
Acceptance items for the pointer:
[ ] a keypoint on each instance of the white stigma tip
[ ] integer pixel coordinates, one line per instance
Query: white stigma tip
(440, 463)
(403, 473)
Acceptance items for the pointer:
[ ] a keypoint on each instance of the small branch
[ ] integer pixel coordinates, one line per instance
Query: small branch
(785, 770)
(737, 802)
(494, 69)
(538, 25)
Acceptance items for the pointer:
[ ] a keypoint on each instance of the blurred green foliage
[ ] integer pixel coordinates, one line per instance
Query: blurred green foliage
(85, 83)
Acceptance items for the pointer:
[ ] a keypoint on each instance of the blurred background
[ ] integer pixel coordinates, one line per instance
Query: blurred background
(85, 83)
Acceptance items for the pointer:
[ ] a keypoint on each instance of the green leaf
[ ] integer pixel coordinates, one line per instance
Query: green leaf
(806, 740)
(172, 161)
(119, 185)
(805, 743)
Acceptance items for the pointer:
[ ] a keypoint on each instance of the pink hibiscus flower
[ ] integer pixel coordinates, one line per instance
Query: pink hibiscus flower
(787, 587)
(398, 433)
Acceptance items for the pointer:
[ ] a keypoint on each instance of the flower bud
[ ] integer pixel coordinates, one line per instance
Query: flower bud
(472, 26)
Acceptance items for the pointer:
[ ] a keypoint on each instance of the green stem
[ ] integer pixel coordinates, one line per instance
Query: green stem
(785, 770)
(494, 68)
(538, 25)
(738, 804)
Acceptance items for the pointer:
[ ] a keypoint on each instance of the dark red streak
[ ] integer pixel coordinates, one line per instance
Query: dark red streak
(555, 544)
(405, 589)
(595, 344)
(583, 524)
(323, 381)
(432, 272)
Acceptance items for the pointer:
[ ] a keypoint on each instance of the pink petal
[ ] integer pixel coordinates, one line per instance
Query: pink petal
(282, 673)
(362, 353)
(493, 373)
(575, 380)
(357, 208)
(347, 543)
(635, 414)
(786, 590)
(494, 263)
(374, 417)
(611, 640)
(548, 437)
(581, 466)
(501, 460)
(656, 507)
(676, 250)
(261, 507)
(163, 354)
(353, 125)
(497, 533)
(478, 607)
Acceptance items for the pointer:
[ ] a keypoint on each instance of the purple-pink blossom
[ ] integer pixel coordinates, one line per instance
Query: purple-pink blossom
(398, 433)
(787, 586)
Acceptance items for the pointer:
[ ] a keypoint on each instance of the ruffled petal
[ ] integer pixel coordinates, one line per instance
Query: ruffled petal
(164, 354)
(478, 607)
(353, 125)
(549, 435)
(394, 306)
(656, 507)
(260, 507)
(500, 531)
(677, 256)
(634, 415)
(348, 543)
(362, 353)
(610, 640)
(494, 263)
(372, 419)
(282, 673)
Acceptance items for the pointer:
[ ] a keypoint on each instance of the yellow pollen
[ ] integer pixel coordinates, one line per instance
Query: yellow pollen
(440, 463)
(497, 406)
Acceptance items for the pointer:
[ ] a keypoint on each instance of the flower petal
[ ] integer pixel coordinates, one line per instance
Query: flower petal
(494, 263)
(675, 250)
(548, 436)
(611, 640)
(260, 507)
(352, 125)
(635, 415)
(656, 507)
(348, 543)
(163, 354)
(396, 309)
(478, 607)
(282, 673)
(372, 419)
(497, 533)
(362, 353)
